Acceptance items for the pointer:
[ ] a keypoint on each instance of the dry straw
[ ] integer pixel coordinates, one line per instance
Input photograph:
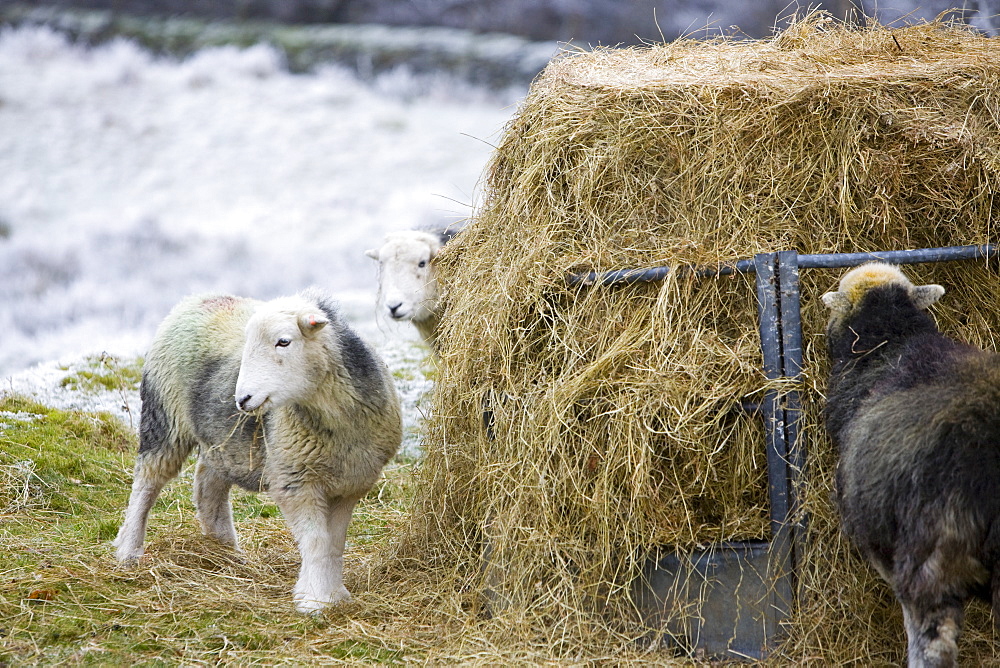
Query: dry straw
(615, 423)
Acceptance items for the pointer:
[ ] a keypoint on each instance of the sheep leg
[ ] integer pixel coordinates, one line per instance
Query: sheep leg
(212, 505)
(320, 530)
(154, 468)
(932, 634)
(338, 519)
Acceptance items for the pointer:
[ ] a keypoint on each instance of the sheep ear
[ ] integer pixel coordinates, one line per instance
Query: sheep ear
(372, 253)
(310, 323)
(925, 295)
(837, 301)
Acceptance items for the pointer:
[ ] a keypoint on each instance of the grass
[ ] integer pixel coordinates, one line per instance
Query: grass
(99, 373)
(64, 482)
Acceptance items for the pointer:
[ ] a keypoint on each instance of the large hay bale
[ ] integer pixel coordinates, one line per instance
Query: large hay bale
(615, 423)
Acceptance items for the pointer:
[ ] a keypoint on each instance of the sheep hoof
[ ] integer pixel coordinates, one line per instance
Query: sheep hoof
(312, 606)
(128, 559)
(126, 551)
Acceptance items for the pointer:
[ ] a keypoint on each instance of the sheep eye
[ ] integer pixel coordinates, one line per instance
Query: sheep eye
(423, 263)
(282, 343)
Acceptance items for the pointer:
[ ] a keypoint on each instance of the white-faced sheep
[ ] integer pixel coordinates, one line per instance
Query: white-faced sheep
(408, 285)
(279, 396)
(916, 418)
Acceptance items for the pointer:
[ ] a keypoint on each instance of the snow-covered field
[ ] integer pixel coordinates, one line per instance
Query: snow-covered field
(128, 181)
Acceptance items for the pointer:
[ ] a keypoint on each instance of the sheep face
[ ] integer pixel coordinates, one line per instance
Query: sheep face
(281, 356)
(856, 283)
(407, 285)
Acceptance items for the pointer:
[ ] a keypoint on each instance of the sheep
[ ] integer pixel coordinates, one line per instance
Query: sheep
(916, 420)
(279, 396)
(408, 284)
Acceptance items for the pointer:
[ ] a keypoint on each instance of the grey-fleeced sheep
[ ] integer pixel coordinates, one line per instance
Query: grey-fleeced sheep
(916, 418)
(279, 396)
(408, 284)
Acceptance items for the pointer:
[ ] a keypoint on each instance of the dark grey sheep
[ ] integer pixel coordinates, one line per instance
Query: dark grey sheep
(916, 418)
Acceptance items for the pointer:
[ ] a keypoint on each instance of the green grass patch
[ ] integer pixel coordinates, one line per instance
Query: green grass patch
(65, 478)
(361, 651)
(407, 374)
(102, 373)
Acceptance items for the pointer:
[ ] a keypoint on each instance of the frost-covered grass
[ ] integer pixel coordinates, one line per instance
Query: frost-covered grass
(104, 373)
(131, 180)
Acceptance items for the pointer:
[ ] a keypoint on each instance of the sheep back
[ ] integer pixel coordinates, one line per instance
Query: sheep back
(926, 458)
(187, 386)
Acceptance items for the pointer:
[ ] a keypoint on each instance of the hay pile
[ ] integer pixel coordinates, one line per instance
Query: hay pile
(615, 424)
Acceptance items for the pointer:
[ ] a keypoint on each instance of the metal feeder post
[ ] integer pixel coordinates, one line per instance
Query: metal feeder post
(744, 590)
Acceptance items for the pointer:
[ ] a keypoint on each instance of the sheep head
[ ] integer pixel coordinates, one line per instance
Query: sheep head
(856, 283)
(283, 361)
(407, 284)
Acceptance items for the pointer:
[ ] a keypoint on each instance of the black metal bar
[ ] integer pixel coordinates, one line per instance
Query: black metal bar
(791, 355)
(773, 411)
(653, 274)
(620, 276)
(791, 318)
(779, 562)
(791, 336)
(920, 255)
(821, 261)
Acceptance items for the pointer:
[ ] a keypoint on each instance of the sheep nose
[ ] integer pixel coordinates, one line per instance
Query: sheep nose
(393, 308)
(242, 402)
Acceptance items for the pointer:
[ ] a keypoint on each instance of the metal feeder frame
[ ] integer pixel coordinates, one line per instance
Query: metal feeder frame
(745, 590)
